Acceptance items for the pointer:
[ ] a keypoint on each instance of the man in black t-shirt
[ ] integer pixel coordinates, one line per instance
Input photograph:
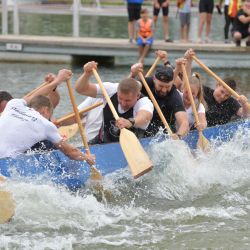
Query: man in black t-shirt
(168, 98)
(241, 28)
(221, 106)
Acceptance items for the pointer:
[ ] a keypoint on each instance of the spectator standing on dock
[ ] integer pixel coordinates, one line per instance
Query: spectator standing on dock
(241, 28)
(164, 5)
(231, 7)
(134, 9)
(184, 9)
(145, 33)
(206, 11)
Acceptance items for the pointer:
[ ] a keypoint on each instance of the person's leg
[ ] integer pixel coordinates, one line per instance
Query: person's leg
(182, 23)
(208, 26)
(130, 8)
(155, 15)
(144, 53)
(227, 23)
(137, 16)
(140, 46)
(209, 10)
(237, 38)
(248, 42)
(203, 16)
(165, 24)
(188, 21)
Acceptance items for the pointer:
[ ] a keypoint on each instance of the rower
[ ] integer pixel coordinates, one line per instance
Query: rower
(168, 98)
(135, 110)
(221, 106)
(28, 122)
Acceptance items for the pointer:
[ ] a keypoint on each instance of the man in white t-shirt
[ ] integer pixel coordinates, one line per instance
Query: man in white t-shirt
(135, 111)
(92, 119)
(25, 122)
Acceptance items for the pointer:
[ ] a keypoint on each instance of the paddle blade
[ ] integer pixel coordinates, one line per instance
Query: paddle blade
(203, 143)
(137, 158)
(7, 206)
(69, 131)
(95, 175)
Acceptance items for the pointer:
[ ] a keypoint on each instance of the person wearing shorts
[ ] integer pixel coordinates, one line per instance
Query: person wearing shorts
(164, 5)
(185, 17)
(133, 8)
(206, 11)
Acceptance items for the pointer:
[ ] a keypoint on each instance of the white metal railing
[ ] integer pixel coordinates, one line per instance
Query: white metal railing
(14, 4)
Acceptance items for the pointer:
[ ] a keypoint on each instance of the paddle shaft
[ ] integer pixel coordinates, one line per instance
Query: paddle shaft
(34, 90)
(157, 60)
(77, 116)
(156, 105)
(71, 115)
(211, 73)
(187, 84)
(111, 106)
(137, 158)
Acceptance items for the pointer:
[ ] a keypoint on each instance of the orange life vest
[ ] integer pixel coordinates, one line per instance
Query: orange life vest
(145, 28)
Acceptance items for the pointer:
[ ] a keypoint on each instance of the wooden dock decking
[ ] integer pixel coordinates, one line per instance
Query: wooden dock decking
(118, 51)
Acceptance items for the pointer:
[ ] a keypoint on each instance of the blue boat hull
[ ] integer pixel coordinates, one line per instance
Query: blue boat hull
(109, 157)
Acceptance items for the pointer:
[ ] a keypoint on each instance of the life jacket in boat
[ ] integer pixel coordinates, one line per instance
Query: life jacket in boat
(109, 132)
(145, 28)
(234, 6)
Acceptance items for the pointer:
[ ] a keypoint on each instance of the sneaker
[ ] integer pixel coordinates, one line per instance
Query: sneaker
(199, 40)
(130, 40)
(227, 41)
(208, 40)
(168, 40)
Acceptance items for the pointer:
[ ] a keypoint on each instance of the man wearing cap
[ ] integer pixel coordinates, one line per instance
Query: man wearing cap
(168, 98)
(134, 110)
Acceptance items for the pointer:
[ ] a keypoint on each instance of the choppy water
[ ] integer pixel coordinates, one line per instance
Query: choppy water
(184, 203)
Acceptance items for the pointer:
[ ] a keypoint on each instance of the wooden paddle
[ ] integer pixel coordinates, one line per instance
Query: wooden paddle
(34, 90)
(137, 158)
(157, 60)
(156, 105)
(71, 115)
(217, 78)
(202, 143)
(7, 205)
(95, 174)
(69, 131)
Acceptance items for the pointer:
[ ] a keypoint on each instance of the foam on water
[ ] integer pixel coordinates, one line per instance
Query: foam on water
(183, 194)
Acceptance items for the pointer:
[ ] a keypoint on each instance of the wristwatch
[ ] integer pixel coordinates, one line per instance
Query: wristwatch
(132, 121)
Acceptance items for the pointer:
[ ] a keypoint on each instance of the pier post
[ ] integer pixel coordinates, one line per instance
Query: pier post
(4, 17)
(76, 16)
(15, 18)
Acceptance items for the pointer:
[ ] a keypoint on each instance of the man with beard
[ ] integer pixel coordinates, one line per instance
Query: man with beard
(168, 98)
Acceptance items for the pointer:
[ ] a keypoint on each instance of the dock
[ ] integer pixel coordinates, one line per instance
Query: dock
(77, 50)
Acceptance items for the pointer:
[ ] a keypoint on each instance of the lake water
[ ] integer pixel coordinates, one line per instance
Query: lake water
(106, 26)
(184, 203)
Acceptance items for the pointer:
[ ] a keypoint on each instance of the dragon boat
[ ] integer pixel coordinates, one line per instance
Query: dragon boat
(57, 167)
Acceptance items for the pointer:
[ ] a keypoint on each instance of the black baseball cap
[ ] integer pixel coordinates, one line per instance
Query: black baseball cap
(164, 74)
